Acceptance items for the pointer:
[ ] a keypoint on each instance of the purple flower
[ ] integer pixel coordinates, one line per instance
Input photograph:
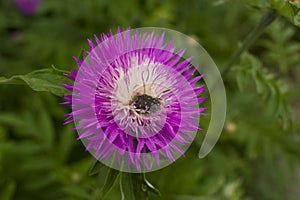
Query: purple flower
(134, 101)
(28, 7)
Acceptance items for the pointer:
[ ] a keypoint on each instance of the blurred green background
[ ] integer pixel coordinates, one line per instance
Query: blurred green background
(258, 154)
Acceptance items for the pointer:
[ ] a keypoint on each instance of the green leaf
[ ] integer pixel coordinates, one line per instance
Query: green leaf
(45, 126)
(7, 192)
(127, 187)
(297, 19)
(11, 119)
(95, 168)
(35, 123)
(242, 79)
(43, 80)
(288, 9)
(150, 187)
(266, 86)
(283, 7)
(281, 50)
(41, 182)
(76, 192)
(36, 164)
(110, 180)
(59, 70)
(135, 187)
(65, 143)
(25, 148)
(188, 197)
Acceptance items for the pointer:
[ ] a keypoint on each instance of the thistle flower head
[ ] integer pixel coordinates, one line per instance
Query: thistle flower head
(135, 101)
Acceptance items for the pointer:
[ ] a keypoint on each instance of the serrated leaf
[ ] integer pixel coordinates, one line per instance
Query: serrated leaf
(266, 85)
(43, 80)
(281, 49)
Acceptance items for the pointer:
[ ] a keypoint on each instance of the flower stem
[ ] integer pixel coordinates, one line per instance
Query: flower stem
(265, 21)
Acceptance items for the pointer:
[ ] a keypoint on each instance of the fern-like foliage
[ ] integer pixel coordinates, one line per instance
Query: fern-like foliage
(281, 51)
(274, 91)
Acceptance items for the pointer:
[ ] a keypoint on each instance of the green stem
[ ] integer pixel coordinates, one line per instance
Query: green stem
(265, 21)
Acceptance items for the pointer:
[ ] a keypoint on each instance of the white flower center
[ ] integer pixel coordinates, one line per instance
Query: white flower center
(137, 105)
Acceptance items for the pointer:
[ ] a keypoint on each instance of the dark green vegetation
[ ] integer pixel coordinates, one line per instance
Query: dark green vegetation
(258, 154)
